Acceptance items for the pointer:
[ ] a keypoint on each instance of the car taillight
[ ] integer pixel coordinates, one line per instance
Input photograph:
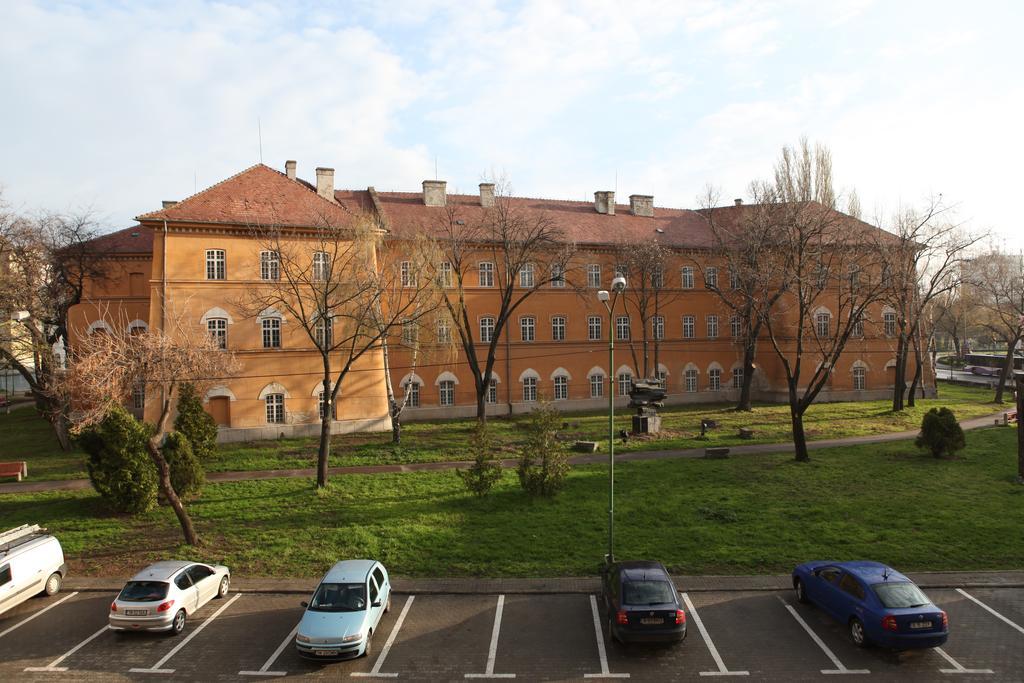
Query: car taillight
(113, 606)
(164, 606)
(889, 623)
(680, 616)
(621, 617)
(945, 621)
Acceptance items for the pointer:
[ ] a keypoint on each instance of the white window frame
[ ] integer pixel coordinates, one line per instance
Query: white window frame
(735, 327)
(658, 327)
(686, 277)
(485, 274)
(275, 413)
(558, 327)
(860, 378)
(822, 324)
(737, 378)
(487, 329)
(527, 328)
(321, 266)
(492, 392)
(558, 275)
(594, 275)
(529, 390)
(216, 264)
(218, 329)
(889, 323)
(412, 391)
(711, 276)
(271, 327)
(527, 276)
(444, 276)
(691, 380)
(714, 379)
(561, 390)
(594, 324)
(596, 385)
(689, 326)
(446, 392)
(622, 328)
(409, 278)
(270, 265)
(712, 326)
(323, 330)
(624, 382)
(444, 331)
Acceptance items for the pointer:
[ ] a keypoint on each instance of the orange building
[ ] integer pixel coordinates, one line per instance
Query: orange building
(193, 260)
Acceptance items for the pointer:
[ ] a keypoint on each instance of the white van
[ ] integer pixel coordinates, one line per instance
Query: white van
(31, 562)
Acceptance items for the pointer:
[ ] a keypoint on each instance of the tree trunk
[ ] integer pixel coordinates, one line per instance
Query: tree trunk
(169, 494)
(481, 402)
(59, 420)
(899, 385)
(1007, 367)
(324, 451)
(956, 346)
(799, 438)
(916, 382)
(748, 378)
(396, 430)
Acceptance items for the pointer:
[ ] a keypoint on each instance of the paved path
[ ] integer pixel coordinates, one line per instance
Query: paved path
(78, 484)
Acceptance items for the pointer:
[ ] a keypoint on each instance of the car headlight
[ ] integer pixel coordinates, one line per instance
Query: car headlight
(302, 639)
(352, 638)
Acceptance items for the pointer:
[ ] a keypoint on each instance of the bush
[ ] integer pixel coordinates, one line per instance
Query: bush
(119, 467)
(543, 460)
(940, 432)
(187, 475)
(484, 473)
(195, 424)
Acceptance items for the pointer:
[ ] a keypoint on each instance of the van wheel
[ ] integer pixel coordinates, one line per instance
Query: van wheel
(178, 625)
(368, 649)
(53, 584)
(224, 584)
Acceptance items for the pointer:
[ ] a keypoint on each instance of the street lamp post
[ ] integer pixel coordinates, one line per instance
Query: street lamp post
(618, 286)
(1018, 376)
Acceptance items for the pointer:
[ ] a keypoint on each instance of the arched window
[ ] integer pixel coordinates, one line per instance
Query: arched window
(529, 379)
(625, 380)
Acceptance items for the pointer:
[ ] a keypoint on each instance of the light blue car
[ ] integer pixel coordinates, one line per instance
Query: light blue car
(342, 617)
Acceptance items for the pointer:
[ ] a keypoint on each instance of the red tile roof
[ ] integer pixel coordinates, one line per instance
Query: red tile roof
(133, 240)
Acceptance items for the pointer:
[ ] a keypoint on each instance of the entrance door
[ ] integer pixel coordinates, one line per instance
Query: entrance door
(220, 408)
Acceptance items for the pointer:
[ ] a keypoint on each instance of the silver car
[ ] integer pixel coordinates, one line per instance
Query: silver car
(163, 595)
(345, 611)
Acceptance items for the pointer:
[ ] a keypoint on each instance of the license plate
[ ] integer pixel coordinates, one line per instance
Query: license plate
(920, 624)
(650, 621)
(324, 653)
(136, 612)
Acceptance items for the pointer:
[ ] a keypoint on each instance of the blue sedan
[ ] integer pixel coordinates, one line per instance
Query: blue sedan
(879, 605)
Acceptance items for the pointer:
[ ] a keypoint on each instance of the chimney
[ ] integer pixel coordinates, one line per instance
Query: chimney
(739, 201)
(325, 183)
(486, 194)
(434, 192)
(604, 202)
(641, 204)
(289, 168)
(168, 203)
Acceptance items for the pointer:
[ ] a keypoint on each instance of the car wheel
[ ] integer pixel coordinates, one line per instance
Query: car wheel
(224, 584)
(178, 625)
(857, 634)
(611, 632)
(368, 650)
(801, 595)
(53, 584)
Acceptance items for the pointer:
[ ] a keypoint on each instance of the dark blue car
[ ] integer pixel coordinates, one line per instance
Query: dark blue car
(642, 603)
(879, 605)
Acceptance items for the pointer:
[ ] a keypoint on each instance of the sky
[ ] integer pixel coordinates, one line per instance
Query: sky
(113, 107)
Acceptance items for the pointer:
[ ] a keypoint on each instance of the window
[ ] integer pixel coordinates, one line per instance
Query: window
(690, 380)
(889, 323)
(444, 275)
(854, 274)
(218, 328)
(558, 328)
(662, 377)
(711, 276)
(410, 333)
(412, 393)
(821, 276)
(215, 269)
(558, 275)
(323, 331)
(139, 397)
(712, 323)
(625, 383)
(5, 574)
(687, 277)
(859, 378)
(561, 387)
(737, 378)
(492, 392)
(596, 386)
(528, 328)
(657, 278)
(408, 275)
(858, 327)
(529, 389)
(734, 279)
(486, 329)
(735, 329)
(321, 267)
(594, 327)
(486, 277)
(658, 327)
(850, 585)
(270, 265)
(275, 408)
(447, 392)
(822, 322)
(621, 270)
(689, 323)
(271, 333)
(444, 332)
(322, 401)
(622, 327)
(526, 278)
(594, 275)
(714, 379)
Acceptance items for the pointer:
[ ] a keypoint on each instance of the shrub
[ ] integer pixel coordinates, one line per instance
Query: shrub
(195, 424)
(543, 460)
(187, 475)
(484, 473)
(119, 467)
(940, 432)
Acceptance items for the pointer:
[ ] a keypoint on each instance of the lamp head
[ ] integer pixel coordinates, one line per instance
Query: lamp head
(603, 295)
(619, 284)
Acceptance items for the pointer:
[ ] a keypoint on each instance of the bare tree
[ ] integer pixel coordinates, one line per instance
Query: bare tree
(330, 280)
(999, 279)
(108, 366)
(644, 264)
(516, 252)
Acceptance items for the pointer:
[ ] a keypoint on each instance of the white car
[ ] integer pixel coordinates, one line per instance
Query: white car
(163, 595)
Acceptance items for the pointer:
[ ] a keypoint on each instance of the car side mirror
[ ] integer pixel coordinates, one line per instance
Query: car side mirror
(377, 603)
(304, 603)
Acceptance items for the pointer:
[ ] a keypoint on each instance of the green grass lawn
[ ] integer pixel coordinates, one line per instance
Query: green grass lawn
(24, 436)
(747, 514)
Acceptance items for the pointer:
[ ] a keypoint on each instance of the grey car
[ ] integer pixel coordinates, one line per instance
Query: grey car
(163, 595)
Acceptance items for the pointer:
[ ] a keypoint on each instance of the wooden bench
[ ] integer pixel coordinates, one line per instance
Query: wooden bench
(13, 469)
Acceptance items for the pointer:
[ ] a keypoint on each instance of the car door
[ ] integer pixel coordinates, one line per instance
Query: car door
(850, 600)
(376, 606)
(826, 588)
(186, 591)
(203, 579)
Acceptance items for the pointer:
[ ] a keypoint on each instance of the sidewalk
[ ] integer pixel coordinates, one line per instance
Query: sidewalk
(579, 584)
(597, 458)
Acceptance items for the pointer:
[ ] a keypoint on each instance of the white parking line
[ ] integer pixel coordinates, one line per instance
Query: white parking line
(492, 653)
(52, 666)
(264, 670)
(977, 602)
(840, 669)
(155, 669)
(375, 671)
(958, 668)
(605, 673)
(45, 609)
(722, 671)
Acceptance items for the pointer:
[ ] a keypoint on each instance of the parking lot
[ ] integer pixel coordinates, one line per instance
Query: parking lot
(764, 635)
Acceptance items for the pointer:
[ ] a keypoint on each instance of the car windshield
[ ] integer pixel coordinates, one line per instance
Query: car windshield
(647, 593)
(143, 591)
(900, 594)
(339, 597)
